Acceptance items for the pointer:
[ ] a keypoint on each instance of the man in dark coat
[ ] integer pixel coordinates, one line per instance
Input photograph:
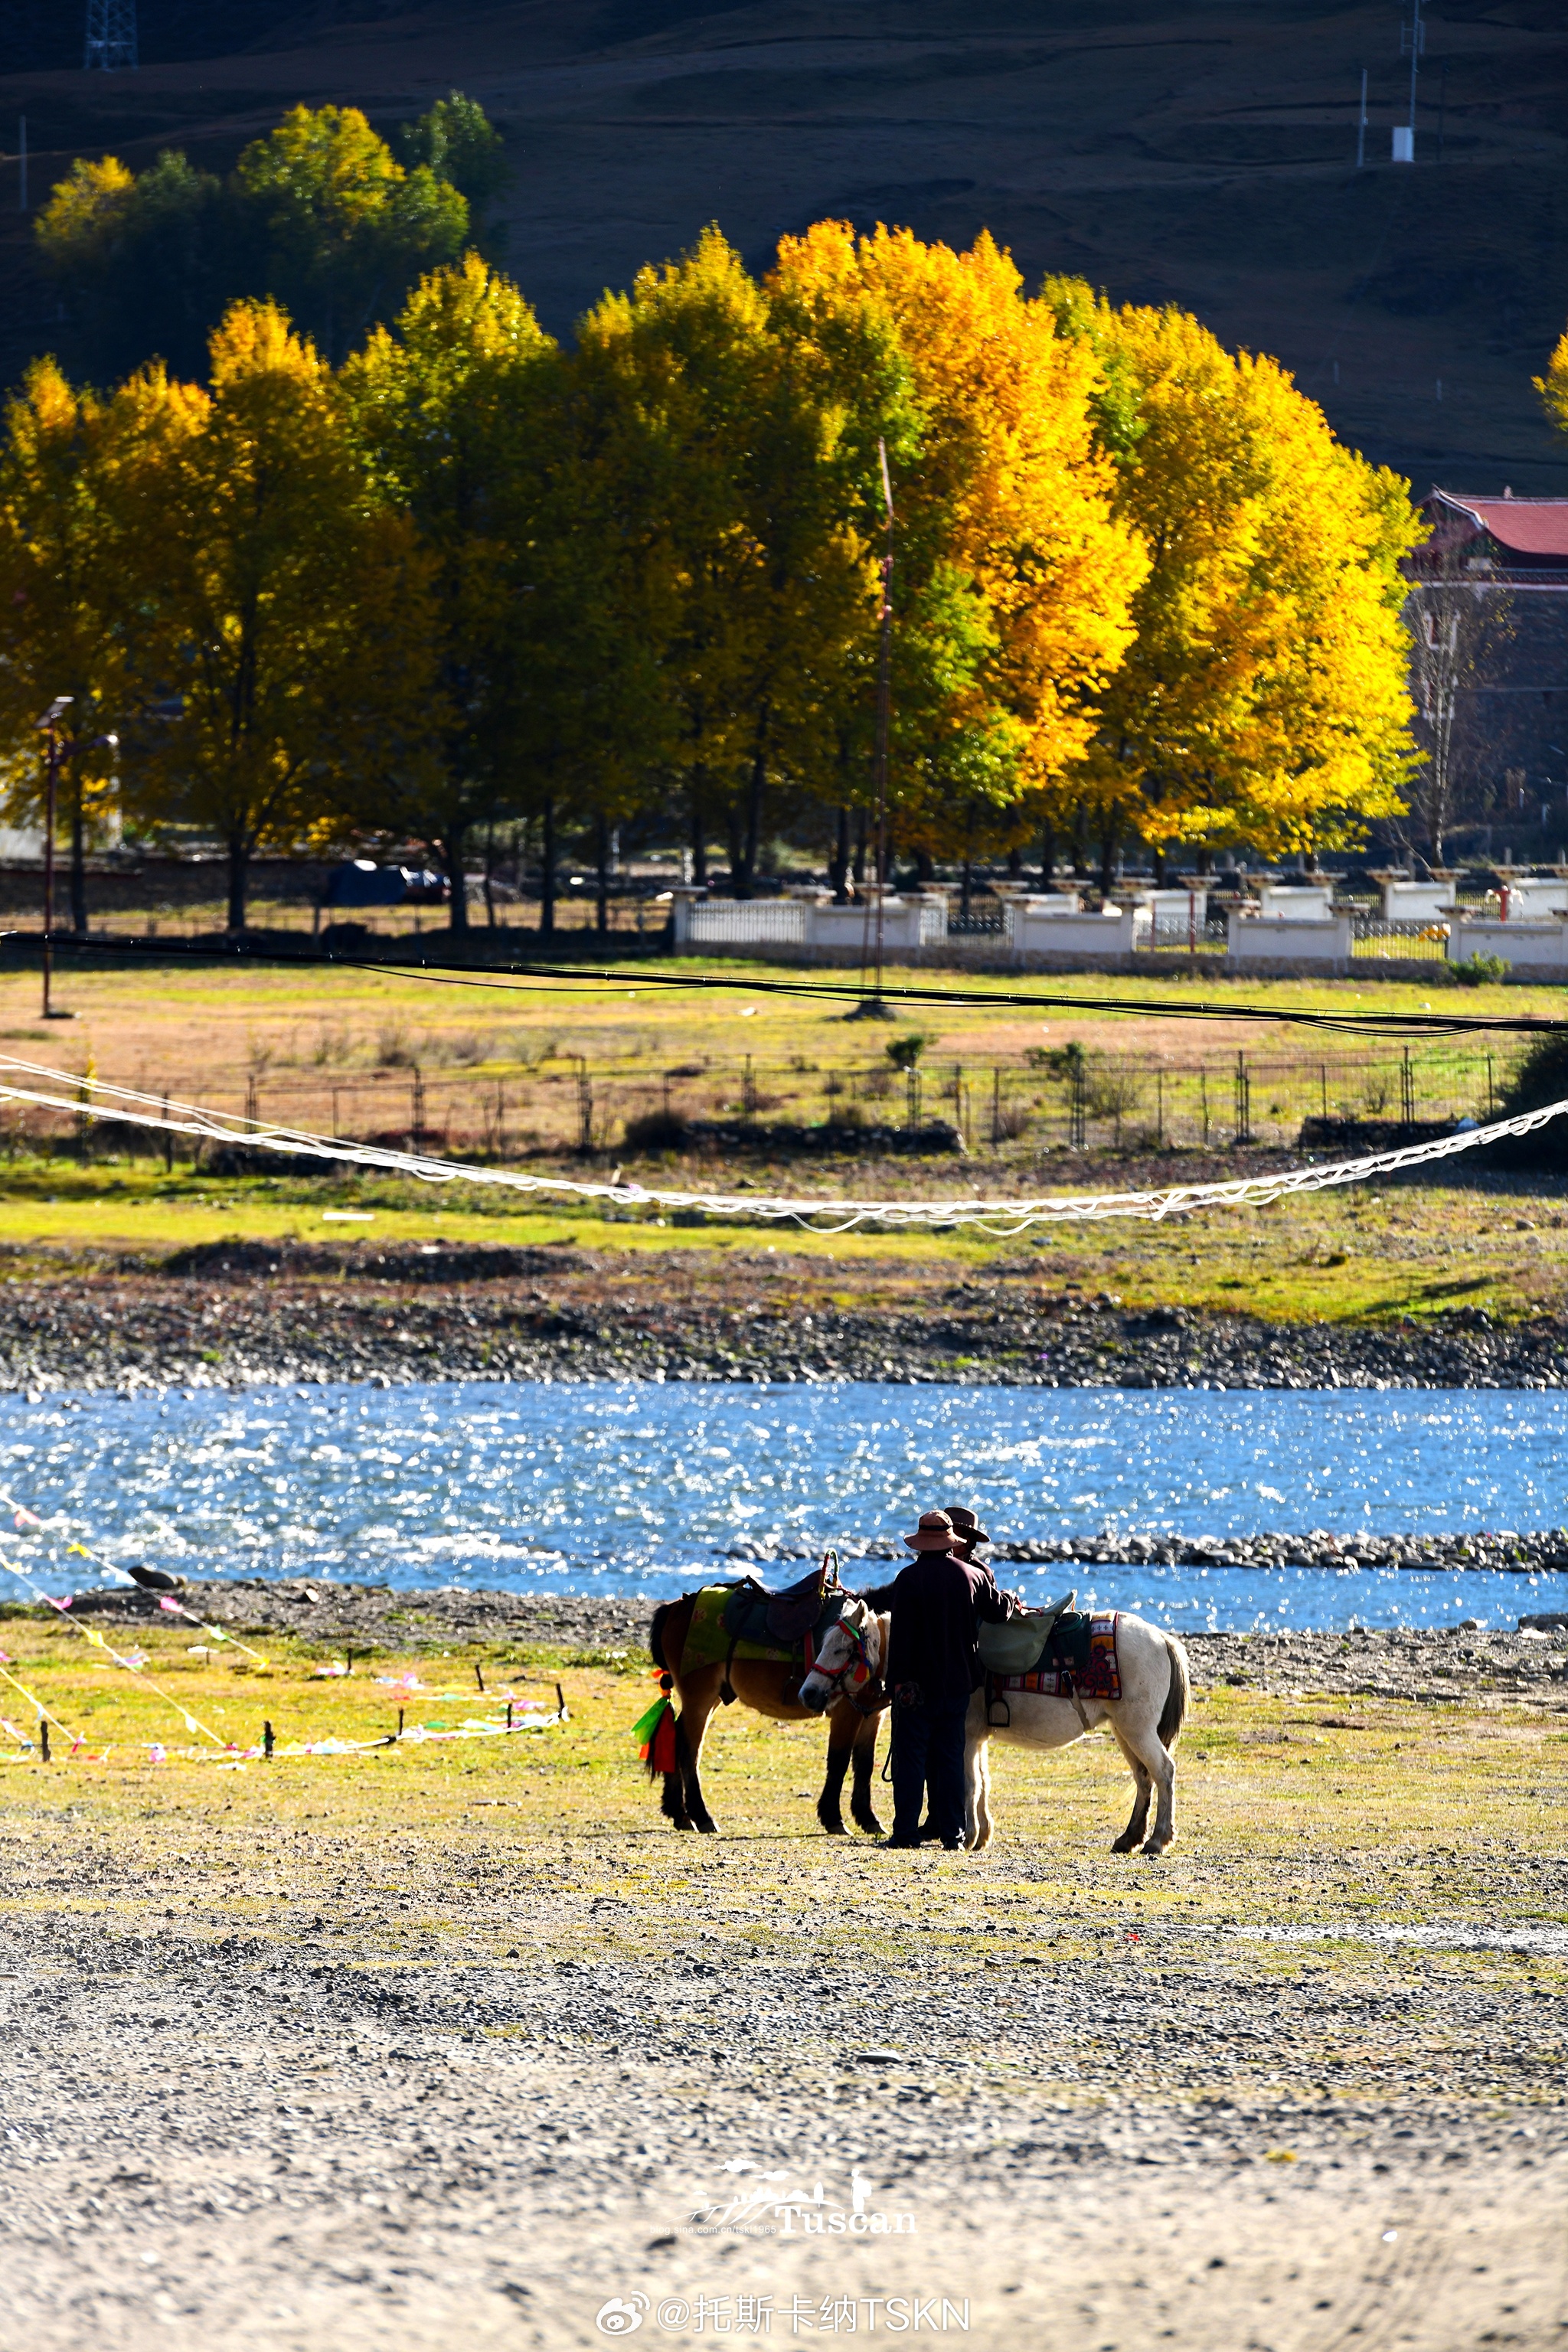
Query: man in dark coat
(934, 1669)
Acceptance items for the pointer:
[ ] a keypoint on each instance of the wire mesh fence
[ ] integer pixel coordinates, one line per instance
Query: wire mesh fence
(1017, 1108)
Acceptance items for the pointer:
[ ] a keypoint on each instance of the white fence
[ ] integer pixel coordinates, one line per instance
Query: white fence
(1058, 925)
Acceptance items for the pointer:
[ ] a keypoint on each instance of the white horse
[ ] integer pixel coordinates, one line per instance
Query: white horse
(1145, 1723)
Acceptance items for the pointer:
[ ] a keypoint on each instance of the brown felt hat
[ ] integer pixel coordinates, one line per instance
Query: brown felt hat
(968, 1527)
(934, 1533)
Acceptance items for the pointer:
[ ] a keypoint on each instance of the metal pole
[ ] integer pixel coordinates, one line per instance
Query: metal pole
(1361, 127)
(884, 711)
(21, 162)
(53, 765)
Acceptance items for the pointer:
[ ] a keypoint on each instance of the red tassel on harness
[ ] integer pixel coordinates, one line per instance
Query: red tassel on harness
(661, 1746)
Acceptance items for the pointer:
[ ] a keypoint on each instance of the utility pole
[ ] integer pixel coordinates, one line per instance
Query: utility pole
(1413, 44)
(1361, 127)
(50, 724)
(111, 44)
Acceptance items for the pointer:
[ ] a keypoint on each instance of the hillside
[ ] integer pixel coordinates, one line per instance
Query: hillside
(1201, 153)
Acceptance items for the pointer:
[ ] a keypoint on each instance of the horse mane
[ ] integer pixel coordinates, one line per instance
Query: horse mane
(879, 1598)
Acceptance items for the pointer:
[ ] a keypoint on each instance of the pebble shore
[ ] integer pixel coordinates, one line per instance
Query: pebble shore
(116, 1330)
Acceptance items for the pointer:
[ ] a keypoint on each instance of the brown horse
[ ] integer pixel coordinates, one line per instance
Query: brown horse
(772, 1685)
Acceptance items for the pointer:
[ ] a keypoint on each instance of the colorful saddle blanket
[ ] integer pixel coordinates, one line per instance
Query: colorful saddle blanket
(746, 1620)
(1081, 1656)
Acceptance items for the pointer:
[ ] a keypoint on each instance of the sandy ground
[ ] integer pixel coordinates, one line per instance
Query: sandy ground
(414, 2051)
(312, 2147)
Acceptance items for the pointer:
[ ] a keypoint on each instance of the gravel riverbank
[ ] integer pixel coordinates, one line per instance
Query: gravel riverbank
(533, 1315)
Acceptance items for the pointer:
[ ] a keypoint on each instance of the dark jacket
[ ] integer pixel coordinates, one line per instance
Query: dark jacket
(938, 1601)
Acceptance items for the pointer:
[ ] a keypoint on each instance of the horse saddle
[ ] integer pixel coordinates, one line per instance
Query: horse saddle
(1017, 1647)
(781, 1620)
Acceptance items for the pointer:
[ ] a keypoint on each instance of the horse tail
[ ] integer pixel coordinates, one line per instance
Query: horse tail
(656, 1634)
(1176, 1697)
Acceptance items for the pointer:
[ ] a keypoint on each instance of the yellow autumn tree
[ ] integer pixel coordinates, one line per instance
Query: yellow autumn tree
(77, 556)
(1264, 700)
(1014, 576)
(291, 616)
(1554, 385)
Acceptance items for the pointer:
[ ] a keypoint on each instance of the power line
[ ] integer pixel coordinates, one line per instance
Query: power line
(519, 977)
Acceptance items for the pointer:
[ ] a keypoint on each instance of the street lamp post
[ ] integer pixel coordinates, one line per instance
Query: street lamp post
(50, 724)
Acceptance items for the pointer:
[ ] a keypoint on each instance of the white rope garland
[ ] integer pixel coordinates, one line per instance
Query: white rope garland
(98, 1099)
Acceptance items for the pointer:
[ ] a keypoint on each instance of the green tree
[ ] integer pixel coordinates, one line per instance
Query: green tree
(320, 214)
(458, 143)
(441, 406)
(341, 226)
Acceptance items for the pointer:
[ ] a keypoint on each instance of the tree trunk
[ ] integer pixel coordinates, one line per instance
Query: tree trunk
(838, 864)
(602, 858)
(860, 849)
(737, 851)
(456, 886)
(1206, 859)
(1159, 865)
(547, 870)
(1047, 854)
(78, 857)
(925, 871)
(491, 876)
(967, 888)
(757, 785)
(1107, 841)
(698, 847)
(239, 879)
(1015, 861)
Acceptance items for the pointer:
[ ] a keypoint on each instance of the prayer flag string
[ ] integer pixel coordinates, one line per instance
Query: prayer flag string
(89, 1633)
(1001, 1219)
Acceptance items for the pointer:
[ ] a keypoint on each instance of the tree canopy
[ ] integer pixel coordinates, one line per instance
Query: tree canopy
(402, 569)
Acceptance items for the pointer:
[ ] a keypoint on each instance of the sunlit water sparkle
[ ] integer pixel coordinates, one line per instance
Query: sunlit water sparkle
(621, 1487)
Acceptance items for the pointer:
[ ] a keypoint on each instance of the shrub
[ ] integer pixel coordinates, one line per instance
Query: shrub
(658, 1131)
(905, 1051)
(1476, 970)
(1540, 1076)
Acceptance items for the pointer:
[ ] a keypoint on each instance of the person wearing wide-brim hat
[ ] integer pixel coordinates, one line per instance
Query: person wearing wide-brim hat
(971, 1535)
(933, 1670)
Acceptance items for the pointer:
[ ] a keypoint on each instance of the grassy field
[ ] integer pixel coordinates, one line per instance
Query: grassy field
(340, 1050)
(1295, 1813)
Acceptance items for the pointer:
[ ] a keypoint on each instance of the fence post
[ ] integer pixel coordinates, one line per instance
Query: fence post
(584, 1107)
(1243, 1100)
(1323, 1086)
(252, 1112)
(1077, 1132)
(1406, 1091)
(1160, 1108)
(1491, 1094)
(419, 1109)
(1203, 1095)
(169, 1140)
(501, 1120)
(995, 1109)
(749, 1092)
(912, 1096)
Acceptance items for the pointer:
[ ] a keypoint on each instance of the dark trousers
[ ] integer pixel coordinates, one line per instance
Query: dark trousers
(927, 1753)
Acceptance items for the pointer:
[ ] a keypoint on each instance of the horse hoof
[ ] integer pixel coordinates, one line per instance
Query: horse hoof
(1156, 1848)
(869, 1823)
(836, 1829)
(1126, 1844)
(709, 1829)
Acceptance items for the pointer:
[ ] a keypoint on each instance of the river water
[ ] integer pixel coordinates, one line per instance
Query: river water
(613, 1487)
